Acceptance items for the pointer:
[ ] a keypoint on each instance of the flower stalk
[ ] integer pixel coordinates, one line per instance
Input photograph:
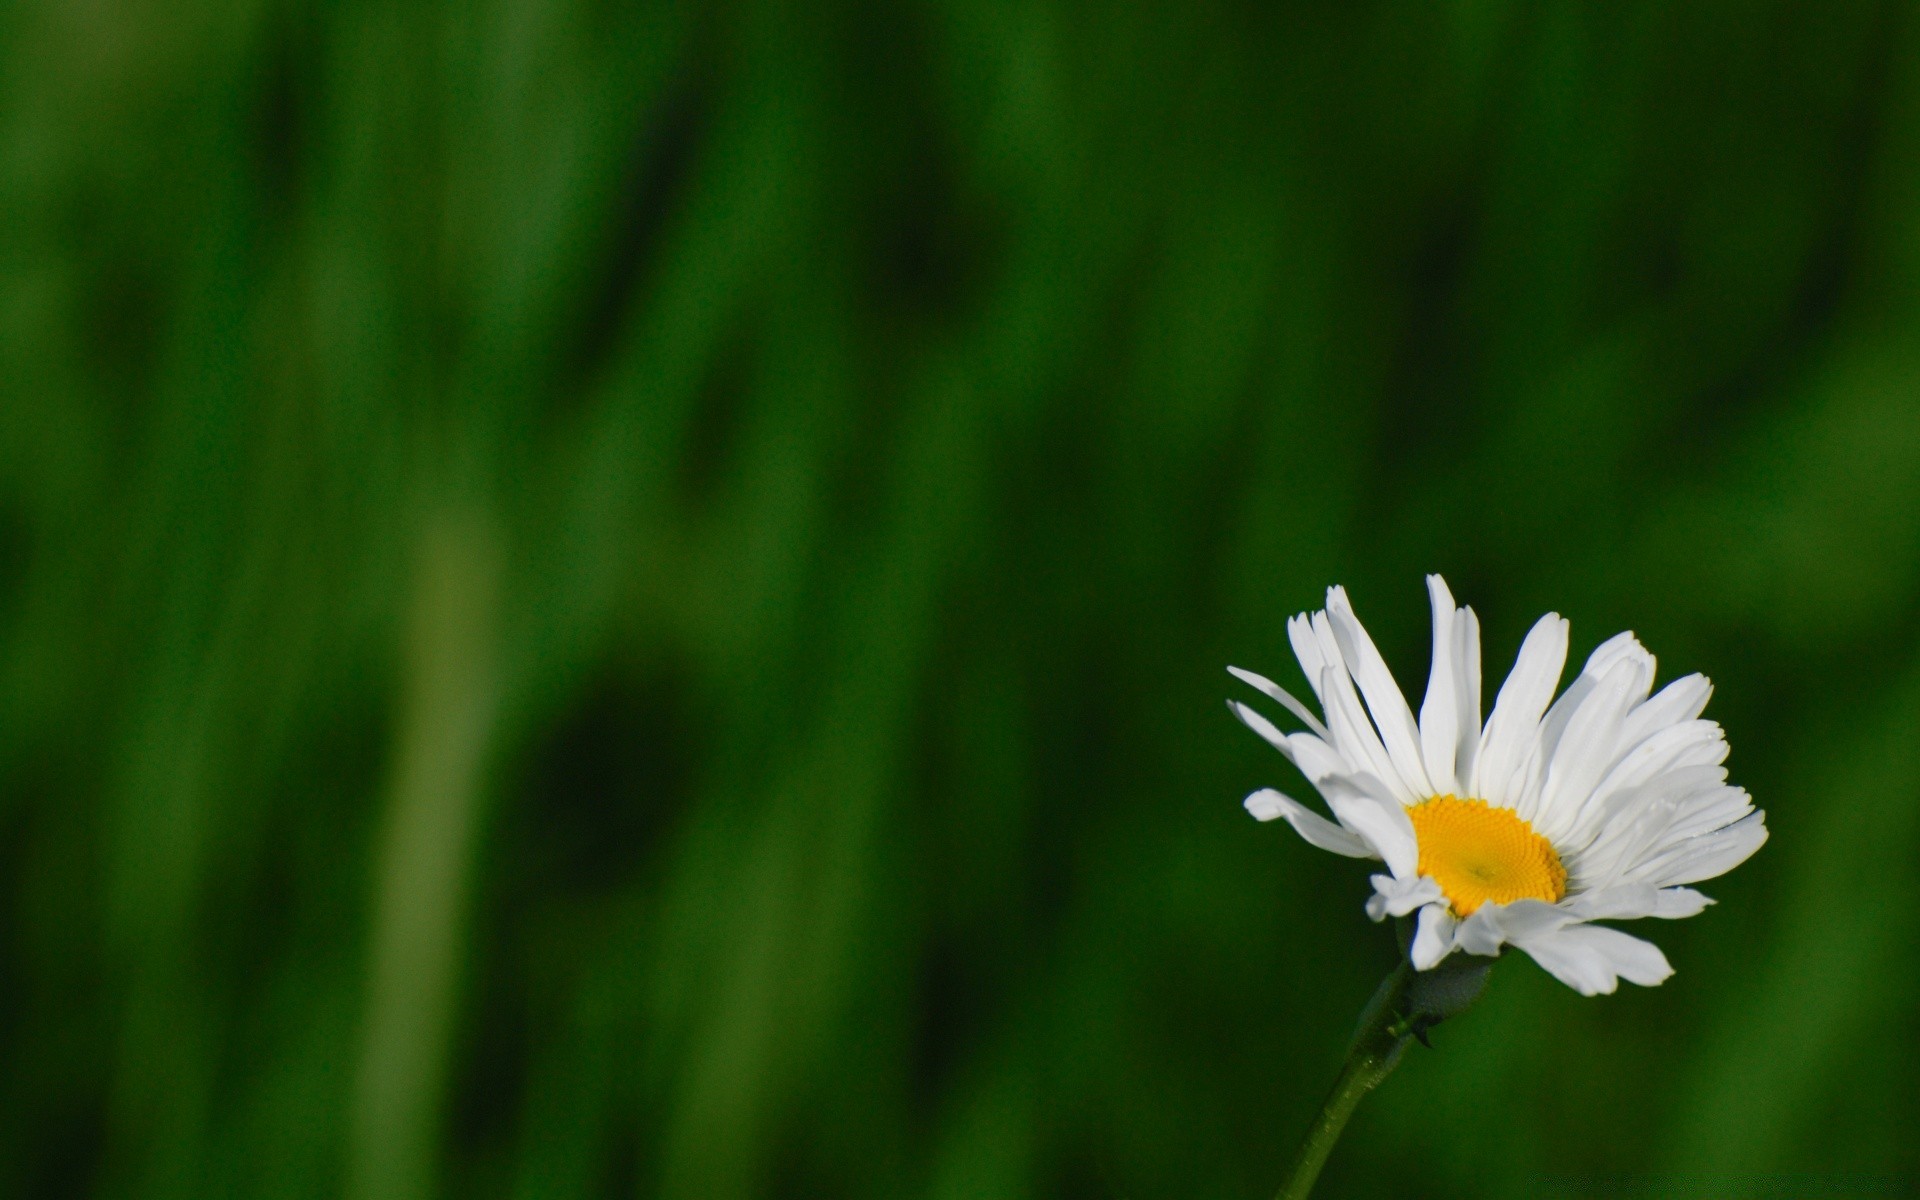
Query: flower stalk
(1405, 1005)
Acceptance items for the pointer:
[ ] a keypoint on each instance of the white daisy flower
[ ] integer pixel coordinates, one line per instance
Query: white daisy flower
(1596, 806)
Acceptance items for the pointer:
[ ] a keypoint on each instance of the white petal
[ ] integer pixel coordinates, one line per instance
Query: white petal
(1306, 648)
(1636, 960)
(1440, 711)
(1385, 701)
(1678, 903)
(1354, 736)
(1621, 647)
(1526, 918)
(1589, 746)
(1398, 897)
(1364, 805)
(1267, 804)
(1672, 748)
(1493, 925)
(1316, 760)
(1574, 963)
(1276, 692)
(1432, 938)
(1480, 933)
(1641, 830)
(1260, 725)
(1705, 856)
(1708, 810)
(1634, 830)
(1633, 901)
(1618, 648)
(1466, 657)
(1319, 762)
(1682, 700)
(1513, 729)
(1592, 959)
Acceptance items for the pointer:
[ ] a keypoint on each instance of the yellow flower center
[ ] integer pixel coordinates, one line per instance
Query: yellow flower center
(1478, 853)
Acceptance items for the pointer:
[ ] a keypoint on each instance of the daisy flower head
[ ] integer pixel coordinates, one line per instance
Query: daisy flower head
(1525, 828)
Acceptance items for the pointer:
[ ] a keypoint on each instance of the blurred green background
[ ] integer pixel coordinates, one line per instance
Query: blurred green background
(631, 601)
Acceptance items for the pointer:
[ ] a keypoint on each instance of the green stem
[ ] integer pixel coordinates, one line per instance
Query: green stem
(1377, 1045)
